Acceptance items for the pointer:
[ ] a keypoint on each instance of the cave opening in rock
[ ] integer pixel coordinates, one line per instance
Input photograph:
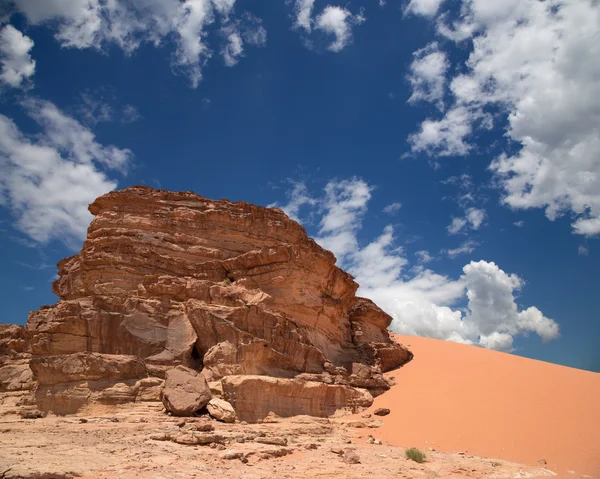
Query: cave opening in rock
(196, 358)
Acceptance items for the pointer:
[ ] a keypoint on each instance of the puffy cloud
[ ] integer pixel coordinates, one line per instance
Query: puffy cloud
(474, 218)
(303, 10)
(448, 136)
(530, 64)
(98, 23)
(392, 208)
(424, 256)
(426, 8)
(338, 21)
(17, 64)
(428, 75)
(423, 303)
(48, 180)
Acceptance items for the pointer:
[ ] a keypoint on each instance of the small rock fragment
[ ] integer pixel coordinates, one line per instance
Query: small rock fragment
(382, 411)
(274, 441)
(350, 457)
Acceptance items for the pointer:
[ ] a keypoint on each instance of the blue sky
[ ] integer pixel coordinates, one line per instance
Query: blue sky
(448, 152)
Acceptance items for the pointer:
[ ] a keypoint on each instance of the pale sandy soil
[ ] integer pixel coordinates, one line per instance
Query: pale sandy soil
(463, 398)
(61, 448)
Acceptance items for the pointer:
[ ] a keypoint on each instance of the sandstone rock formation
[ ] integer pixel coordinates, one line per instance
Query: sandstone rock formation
(235, 291)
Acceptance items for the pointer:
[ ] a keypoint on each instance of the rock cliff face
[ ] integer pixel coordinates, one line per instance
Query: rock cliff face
(228, 289)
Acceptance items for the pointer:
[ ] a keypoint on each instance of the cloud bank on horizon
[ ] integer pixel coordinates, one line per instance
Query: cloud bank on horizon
(530, 72)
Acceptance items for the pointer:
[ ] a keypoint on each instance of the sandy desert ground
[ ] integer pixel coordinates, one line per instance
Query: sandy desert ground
(494, 404)
(131, 442)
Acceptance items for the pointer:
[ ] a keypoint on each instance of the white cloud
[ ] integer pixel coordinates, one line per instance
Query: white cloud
(448, 136)
(465, 248)
(582, 250)
(98, 24)
(17, 64)
(303, 10)
(249, 30)
(345, 204)
(298, 197)
(428, 75)
(422, 304)
(338, 21)
(130, 114)
(519, 224)
(48, 180)
(424, 256)
(427, 8)
(392, 208)
(530, 64)
(474, 218)
(457, 225)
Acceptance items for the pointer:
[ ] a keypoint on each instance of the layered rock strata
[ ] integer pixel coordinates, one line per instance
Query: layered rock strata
(230, 290)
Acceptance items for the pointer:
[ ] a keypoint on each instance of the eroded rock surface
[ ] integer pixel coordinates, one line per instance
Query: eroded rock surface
(230, 290)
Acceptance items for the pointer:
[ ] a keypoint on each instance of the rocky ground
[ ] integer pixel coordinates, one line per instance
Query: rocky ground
(141, 441)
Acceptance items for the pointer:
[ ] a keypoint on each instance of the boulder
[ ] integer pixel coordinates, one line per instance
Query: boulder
(221, 410)
(185, 391)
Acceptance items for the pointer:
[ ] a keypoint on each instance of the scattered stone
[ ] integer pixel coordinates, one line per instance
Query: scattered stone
(542, 462)
(232, 454)
(274, 441)
(83, 420)
(180, 423)
(350, 457)
(202, 427)
(382, 411)
(221, 410)
(310, 446)
(337, 450)
(275, 453)
(30, 414)
(366, 416)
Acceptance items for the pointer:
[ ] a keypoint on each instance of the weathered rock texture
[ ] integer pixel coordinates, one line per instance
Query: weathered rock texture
(228, 289)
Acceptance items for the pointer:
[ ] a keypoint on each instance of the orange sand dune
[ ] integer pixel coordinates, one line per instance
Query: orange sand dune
(463, 398)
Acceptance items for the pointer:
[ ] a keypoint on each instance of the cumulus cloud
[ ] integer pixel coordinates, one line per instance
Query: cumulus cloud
(303, 10)
(424, 256)
(49, 179)
(392, 208)
(423, 303)
(426, 8)
(98, 24)
(17, 65)
(338, 22)
(427, 75)
(530, 64)
(474, 217)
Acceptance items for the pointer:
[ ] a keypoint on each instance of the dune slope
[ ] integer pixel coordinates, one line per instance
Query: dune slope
(455, 397)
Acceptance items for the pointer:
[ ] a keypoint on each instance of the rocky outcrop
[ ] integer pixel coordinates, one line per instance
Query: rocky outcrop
(254, 397)
(227, 289)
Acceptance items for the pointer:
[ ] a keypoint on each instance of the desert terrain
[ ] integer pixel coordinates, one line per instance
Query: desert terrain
(494, 404)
